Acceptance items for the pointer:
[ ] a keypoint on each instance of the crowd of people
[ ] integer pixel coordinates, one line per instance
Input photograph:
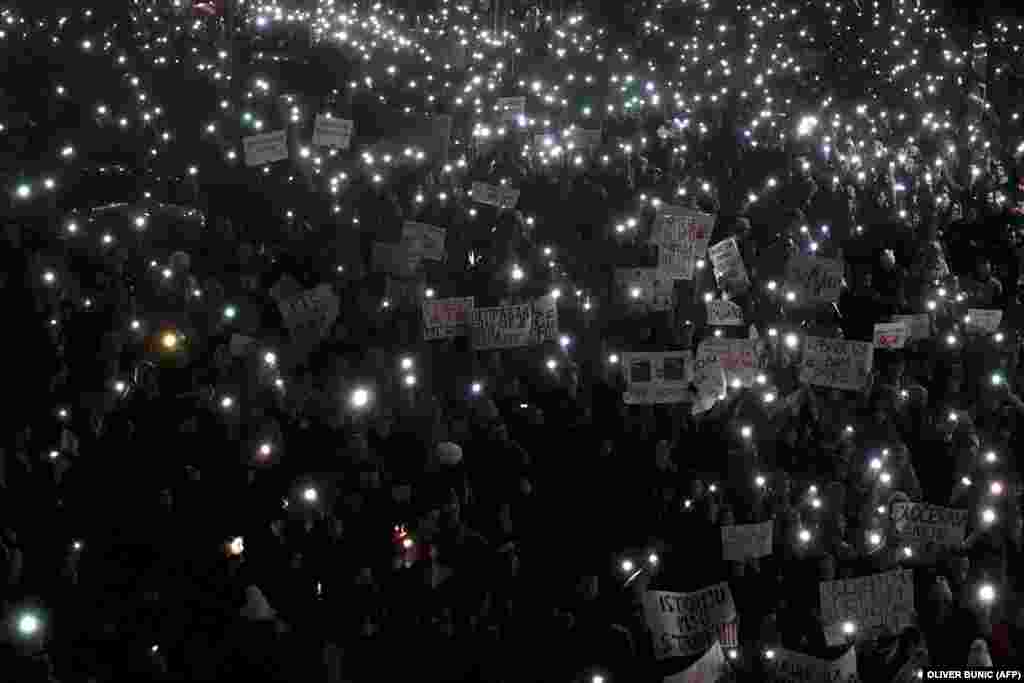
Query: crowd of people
(192, 489)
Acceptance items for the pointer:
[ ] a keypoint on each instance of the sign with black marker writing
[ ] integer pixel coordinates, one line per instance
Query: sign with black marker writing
(684, 624)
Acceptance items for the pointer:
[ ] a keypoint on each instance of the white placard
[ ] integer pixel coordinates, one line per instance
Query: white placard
(724, 313)
(730, 272)
(984, 319)
(495, 195)
(918, 524)
(891, 335)
(684, 624)
(815, 280)
(446, 318)
(710, 668)
(657, 377)
(331, 132)
(265, 148)
(836, 363)
(682, 236)
(870, 602)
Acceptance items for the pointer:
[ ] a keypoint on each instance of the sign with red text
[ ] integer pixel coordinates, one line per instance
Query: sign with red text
(446, 318)
(684, 624)
(682, 236)
(891, 335)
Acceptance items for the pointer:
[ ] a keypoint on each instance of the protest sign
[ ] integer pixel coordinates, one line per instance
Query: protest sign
(423, 240)
(730, 272)
(657, 377)
(308, 317)
(684, 624)
(836, 363)
(682, 237)
(708, 669)
(984, 319)
(646, 287)
(919, 325)
(721, 312)
(446, 318)
(891, 335)
(918, 524)
(394, 259)
(742, 542)
(545, 320)
(737, 358)
(265, 148)
(815, 280)
(503, 327)
(331, 132)
(870, 602)
(512, 108)
(796, 667)
(495, 195)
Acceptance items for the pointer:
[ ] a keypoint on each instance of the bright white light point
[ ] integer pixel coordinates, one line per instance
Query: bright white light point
(476, 388)
(627, 565)
(28, 624)
(996, 488)
(988, 516)
(987, 593)
(310, 495)
(746, 432)
(266, 449)
(227, 402)
(875, 538)
(849, 628)
(410, 380)
(990, 457)
(230, 312)
(792, 340)
(551, 364)
(24, 191)
(360, 397)
(407, 363)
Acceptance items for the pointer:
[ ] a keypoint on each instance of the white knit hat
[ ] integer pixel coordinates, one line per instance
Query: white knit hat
(979, 655)
(256, 606)
(449, 453)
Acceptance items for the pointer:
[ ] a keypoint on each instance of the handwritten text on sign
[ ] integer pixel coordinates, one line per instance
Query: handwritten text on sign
(984, 319)
(730, 272)
(332, 132)
(446, 318)
(870, 602)
(685, 624)
(796, 667)
(309, 316)
(836, 363)
(495, 195)
(919, 524)
(265, 148)
(815, 280)
(724, 313)
(682, 237)
(891, 335)
(742, 542)
(503, 327)
(657, 377)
